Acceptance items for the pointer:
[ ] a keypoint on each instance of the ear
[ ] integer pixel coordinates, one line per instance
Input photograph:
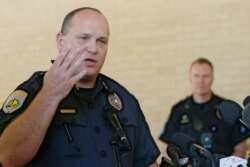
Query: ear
(59, 41)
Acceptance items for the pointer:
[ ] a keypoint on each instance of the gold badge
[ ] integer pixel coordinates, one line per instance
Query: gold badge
(184, 119)
(14, 101)
(67, 111)
(115, 101)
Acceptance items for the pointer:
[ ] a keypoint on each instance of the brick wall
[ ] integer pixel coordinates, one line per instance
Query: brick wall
(152, 45)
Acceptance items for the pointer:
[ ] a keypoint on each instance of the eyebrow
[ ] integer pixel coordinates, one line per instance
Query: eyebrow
(89, 34)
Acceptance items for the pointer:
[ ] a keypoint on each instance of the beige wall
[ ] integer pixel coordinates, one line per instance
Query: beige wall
(152, 45)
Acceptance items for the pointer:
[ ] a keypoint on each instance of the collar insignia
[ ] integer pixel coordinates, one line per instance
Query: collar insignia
(14, 101)
(104, 85)
(115, 101)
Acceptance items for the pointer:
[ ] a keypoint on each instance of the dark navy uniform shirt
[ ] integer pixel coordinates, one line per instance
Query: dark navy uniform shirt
(201, 121)
(79, 135)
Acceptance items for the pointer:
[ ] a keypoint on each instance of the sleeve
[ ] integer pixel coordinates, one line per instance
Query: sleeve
(146, 150)
(171, 126)
(20, 99)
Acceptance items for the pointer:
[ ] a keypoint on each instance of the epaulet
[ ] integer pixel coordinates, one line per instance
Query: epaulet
(109, 81)
(29, 83)
(181, 102)
(218, 98)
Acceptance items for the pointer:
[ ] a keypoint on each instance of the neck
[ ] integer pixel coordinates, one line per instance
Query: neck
(202, 98)
(86, 83)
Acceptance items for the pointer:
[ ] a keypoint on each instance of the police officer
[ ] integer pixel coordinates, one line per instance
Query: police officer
(197, 116)
(72, 115)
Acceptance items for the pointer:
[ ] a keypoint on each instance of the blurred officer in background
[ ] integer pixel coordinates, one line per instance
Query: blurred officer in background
(197, 116)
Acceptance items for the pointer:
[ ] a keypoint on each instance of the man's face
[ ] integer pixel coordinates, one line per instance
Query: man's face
(88, 32)
(201, 79)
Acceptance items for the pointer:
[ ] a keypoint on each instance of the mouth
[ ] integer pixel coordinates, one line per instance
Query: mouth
(90, 62)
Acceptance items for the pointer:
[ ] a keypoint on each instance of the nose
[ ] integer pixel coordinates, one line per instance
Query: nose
(203, 80)
(199, 79)
(92, 47)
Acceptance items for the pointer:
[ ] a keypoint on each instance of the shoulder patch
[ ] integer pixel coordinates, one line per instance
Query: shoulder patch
(181, 102)
(14, 101)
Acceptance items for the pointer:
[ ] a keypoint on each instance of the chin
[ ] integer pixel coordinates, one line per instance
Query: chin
(204, 93)
(89, 76)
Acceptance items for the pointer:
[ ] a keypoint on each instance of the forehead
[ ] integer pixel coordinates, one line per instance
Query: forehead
(202, 68)
(90, 20)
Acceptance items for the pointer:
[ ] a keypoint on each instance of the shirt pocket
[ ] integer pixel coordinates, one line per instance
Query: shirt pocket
(68, 131)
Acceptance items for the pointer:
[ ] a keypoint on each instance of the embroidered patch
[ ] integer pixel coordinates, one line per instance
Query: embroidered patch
(67, 111)
(14, 101)
(115, 101)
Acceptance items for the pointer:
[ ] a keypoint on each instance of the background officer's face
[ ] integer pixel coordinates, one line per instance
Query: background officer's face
(201, 79)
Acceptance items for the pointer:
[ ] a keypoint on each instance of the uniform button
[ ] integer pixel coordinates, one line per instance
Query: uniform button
(91, 105)
(103, 153)
(97, 129)
(213, 128)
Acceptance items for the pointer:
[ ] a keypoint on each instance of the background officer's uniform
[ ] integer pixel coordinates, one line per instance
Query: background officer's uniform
(79, 135)
(201, 121)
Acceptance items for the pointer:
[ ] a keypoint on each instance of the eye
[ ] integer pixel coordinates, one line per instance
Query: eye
(84, 38)
(206, 76)
(102, 41)
(196, 75)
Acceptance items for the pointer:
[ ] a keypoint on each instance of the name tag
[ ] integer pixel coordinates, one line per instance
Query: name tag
(67, 111)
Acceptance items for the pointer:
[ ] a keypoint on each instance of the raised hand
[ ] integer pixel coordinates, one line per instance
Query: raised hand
(65, 72)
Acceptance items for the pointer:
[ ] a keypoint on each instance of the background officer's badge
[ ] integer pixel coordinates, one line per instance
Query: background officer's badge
(184, 119)
(14, 101)
(115, 101)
